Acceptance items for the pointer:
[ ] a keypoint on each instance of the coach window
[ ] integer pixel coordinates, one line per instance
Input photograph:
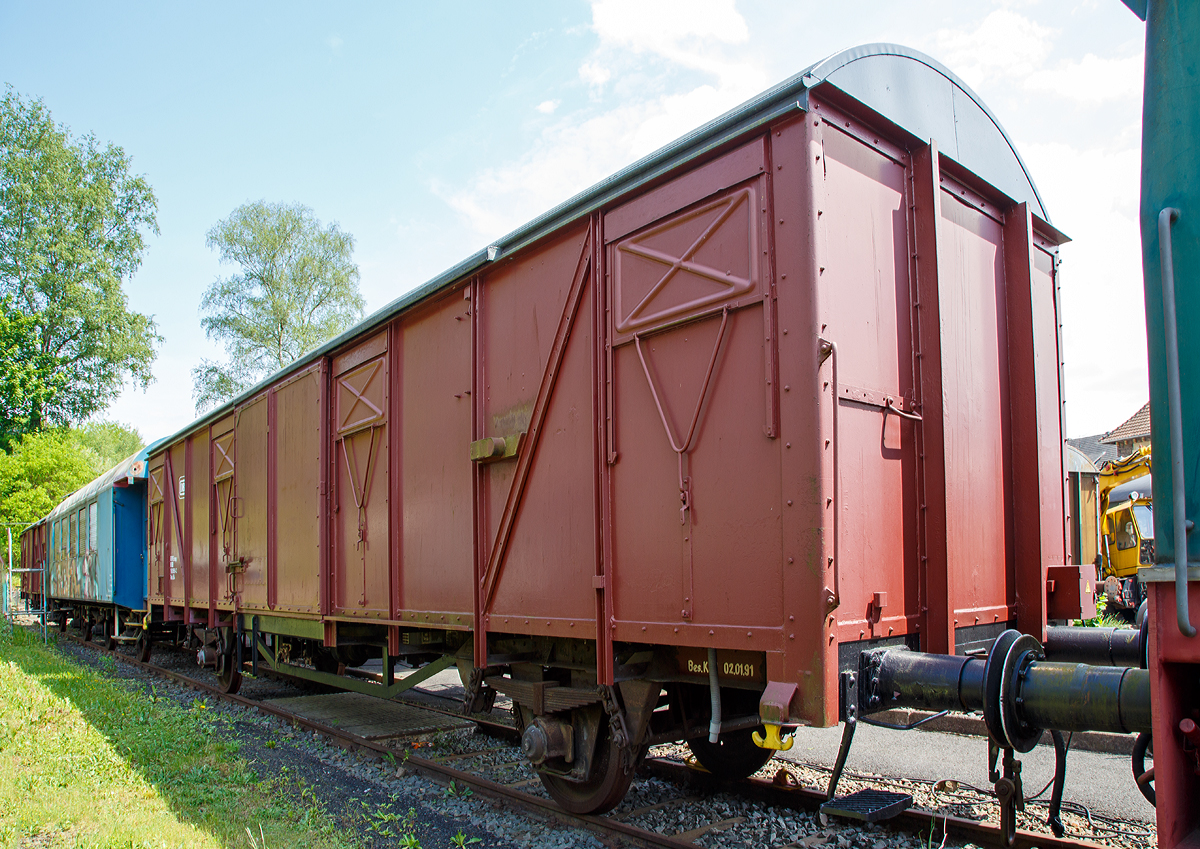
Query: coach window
(92, 531)
(72, 532)
(82, 549)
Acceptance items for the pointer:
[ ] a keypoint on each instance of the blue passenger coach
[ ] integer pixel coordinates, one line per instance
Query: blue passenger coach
(97, 550)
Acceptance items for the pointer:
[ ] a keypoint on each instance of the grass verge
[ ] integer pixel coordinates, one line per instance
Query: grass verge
(86, 761)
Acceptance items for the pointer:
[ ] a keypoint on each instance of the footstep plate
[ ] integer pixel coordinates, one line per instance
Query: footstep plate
(869, 805)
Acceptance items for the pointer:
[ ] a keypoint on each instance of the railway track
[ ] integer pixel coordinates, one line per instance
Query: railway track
(694, 808)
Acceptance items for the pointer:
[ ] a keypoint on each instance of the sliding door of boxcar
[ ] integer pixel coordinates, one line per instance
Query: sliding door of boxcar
(177, 555)
(196, 507)
(865, 299)
(222, 526)
(360, 580)
(538, 503)
(696, 488)
(250, 504)
(155, 537)
(976, 399)
(435, 511)
(295, 494)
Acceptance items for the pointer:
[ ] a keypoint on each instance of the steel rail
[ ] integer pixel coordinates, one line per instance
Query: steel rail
(795, 798)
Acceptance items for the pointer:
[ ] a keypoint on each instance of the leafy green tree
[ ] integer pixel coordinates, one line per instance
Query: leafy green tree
(27, 376)
(73, 222)
(297, 287)
(41, 470)
(44, 467)
(111, 442)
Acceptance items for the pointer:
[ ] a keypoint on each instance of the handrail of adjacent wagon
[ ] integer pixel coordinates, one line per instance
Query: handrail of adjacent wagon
(1175, 417)
(837, 585)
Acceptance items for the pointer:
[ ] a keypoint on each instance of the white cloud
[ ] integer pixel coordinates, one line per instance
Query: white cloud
(641, 46)
(1091, 80)
(567, 158)
(691, 34)
(1003, 45)
(664, 25)
(547, 107)
(335, 43)
(594, 74)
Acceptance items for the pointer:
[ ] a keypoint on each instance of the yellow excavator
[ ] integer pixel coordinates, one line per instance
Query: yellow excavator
(1126, 530)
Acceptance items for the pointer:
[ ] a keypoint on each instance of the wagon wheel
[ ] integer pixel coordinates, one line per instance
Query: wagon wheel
(604, 788)
(1144, 777)
(144, 645)
(326, 661)
(229, 679)
(353, 656)
(62, 623)
(734, 755)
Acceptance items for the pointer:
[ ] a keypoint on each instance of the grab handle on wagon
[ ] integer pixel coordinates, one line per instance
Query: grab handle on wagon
(1175, 418)
(829, 350)
(889, 406)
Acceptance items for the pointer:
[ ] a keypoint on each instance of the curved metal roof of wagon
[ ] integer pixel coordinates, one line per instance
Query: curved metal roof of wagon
(910, 89)
(133, 465)
(1079, 462)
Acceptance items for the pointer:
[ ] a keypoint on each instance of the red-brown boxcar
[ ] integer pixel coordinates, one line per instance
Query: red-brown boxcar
(32, 563)
(649, 465)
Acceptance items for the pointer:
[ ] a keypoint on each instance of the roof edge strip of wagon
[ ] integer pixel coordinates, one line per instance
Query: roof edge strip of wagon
(1049, 232)
(823, 69)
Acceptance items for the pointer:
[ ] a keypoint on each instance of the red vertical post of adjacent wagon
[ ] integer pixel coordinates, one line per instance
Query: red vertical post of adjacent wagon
(1030, 367)
(938, 593)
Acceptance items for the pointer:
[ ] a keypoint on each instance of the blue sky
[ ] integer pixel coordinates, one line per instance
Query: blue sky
(428, 130)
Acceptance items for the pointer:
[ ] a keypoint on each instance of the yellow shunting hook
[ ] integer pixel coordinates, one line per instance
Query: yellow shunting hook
(773, 739)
